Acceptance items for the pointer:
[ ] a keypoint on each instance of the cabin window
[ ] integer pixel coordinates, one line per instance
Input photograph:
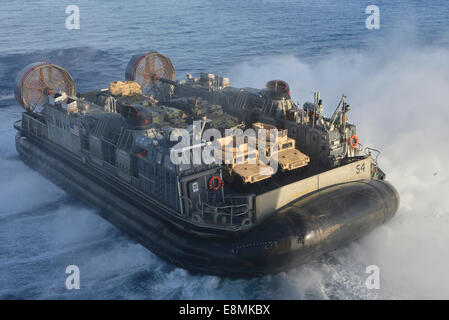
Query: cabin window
(287, 145)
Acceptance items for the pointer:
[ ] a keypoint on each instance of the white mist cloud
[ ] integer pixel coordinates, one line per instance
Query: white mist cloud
(400, 102)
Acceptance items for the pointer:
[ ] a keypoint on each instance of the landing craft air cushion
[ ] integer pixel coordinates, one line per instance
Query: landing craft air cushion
(114, 147)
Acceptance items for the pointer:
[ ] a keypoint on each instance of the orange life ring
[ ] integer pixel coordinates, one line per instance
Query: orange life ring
(354, 141)
(211, 183)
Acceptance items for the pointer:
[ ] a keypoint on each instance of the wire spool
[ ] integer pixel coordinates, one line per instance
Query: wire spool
(147, 68)
(37, 81)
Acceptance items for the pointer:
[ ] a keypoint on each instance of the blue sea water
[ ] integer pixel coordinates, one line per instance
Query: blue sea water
(397, 81)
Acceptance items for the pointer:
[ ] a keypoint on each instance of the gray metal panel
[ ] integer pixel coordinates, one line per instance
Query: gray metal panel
(95, 149)
(123, 164)
(159, 182)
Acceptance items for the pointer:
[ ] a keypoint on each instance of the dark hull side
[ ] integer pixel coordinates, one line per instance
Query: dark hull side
(301, 231)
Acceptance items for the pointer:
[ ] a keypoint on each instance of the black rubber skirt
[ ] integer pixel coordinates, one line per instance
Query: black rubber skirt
(297, 233)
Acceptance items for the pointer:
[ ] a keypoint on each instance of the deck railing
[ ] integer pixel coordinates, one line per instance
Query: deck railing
(237, 206)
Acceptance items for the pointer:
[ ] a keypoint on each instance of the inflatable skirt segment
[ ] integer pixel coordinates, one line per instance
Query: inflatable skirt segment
(301, 231)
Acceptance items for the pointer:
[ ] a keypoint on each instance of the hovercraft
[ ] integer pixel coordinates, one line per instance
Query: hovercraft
(280, 185)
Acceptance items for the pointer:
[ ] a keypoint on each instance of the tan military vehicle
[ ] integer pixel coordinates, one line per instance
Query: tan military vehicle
(124, 88)
(242, 161)
(288, 157)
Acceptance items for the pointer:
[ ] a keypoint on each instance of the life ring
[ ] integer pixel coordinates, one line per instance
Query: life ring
(354, 141)
(218, 185)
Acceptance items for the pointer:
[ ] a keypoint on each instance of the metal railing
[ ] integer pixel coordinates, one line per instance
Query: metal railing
(232, 210)
(369, 151)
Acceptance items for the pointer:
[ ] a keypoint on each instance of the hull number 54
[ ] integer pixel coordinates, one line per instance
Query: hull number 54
(360, 168)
